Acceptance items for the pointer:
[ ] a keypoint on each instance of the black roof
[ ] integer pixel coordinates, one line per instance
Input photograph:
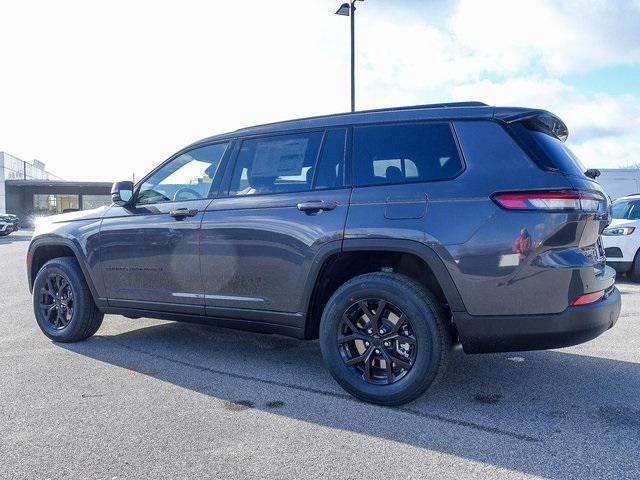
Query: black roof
(436, 111)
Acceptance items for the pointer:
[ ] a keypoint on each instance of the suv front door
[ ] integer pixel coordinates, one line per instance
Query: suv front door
(286, 205)
(149, 251)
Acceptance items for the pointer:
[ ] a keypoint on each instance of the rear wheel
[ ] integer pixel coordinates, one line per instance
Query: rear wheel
(62, 303)
(384, 338)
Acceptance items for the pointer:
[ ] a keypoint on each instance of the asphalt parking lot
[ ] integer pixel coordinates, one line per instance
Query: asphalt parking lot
(147, 399)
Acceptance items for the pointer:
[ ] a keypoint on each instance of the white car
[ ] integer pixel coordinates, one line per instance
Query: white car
(5, 228)
(621, 239)
(8, 223)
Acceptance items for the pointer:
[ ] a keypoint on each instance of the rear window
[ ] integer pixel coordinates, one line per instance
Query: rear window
(546, 150)
(405, 153)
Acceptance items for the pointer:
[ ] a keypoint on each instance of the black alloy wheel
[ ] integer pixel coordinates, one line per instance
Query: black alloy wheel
(384, 337)
(376, 339)
(57, 301)
(63, 303)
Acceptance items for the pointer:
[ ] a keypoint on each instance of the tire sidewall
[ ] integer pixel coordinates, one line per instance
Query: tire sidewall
(425, 329)
(634, 272)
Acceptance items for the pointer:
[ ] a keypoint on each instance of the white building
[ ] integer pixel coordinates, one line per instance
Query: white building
(12, 168)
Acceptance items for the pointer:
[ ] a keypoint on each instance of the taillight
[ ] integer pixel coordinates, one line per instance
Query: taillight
(553, 200)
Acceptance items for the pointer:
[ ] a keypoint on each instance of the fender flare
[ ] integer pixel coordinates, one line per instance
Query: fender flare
(423, 251)
(58, 241)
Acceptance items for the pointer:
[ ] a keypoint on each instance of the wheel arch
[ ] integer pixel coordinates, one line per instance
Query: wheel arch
(322, 281)
(43, 249)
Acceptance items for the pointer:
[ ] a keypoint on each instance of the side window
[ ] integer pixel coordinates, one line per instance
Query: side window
(276, 164)
(405, 153)
(186, 177)
(331, 164)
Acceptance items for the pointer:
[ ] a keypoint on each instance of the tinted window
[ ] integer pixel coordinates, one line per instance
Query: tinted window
(276, 164)
(331, 165)
(186, 177)
(545, 149)
(626, 210)
(405, 153)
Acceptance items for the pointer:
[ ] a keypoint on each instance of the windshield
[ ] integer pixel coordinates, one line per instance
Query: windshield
(626, 209)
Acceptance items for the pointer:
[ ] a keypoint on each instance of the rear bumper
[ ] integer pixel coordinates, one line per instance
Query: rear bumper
(485, 334)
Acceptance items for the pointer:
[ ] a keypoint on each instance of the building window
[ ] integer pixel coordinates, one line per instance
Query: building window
(95, 201)
(50, 204)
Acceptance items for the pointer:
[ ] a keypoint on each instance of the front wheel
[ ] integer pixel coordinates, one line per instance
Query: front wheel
(384, 338)
(62, 303)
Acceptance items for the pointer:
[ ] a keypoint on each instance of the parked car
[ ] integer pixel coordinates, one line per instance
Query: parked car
(8, 223)
(622, 238)
(389, 234)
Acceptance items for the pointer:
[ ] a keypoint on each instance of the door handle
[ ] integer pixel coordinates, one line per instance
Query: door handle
(316, 205)
(183, 212)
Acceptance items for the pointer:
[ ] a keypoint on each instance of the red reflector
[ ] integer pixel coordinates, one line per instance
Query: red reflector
(588, 298)
(512, 202)
(29, 258)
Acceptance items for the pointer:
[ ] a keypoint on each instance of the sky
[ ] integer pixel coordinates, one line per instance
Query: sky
(105, 90)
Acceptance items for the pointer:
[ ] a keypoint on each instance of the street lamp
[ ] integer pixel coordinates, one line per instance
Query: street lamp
(346, 10)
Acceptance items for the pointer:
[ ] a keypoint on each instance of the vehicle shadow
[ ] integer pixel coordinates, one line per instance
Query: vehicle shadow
(553, 414)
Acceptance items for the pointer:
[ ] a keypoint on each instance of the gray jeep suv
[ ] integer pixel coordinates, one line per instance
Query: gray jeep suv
(389, 234)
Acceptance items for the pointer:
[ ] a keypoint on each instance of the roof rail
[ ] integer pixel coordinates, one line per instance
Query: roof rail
(375, 110)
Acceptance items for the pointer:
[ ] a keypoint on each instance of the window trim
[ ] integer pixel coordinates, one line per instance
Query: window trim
(345, 145)
(454, 134)
(210, 193)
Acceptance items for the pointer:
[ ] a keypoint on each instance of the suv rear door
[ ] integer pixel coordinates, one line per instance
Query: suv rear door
(149, 252)
(286, 203)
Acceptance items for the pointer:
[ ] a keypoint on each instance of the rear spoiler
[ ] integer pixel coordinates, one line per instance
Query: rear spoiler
(541, 120)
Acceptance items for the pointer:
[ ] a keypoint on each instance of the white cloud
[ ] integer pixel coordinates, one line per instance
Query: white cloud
(609, 152)
(561, 37)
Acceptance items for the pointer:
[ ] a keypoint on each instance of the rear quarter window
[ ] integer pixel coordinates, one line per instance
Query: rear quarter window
(546, 150)
(386, 154)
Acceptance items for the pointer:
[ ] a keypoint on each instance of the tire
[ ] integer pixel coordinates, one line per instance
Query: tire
(75, 316)
(634, 272)
(426, 326)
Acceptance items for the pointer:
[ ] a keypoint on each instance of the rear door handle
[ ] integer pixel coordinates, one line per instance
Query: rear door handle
(316, 206)
(183, 212)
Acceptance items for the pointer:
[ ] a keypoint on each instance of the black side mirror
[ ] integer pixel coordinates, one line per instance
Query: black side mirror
(122, 193)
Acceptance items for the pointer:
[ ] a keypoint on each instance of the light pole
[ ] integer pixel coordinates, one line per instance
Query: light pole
(349, 10)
